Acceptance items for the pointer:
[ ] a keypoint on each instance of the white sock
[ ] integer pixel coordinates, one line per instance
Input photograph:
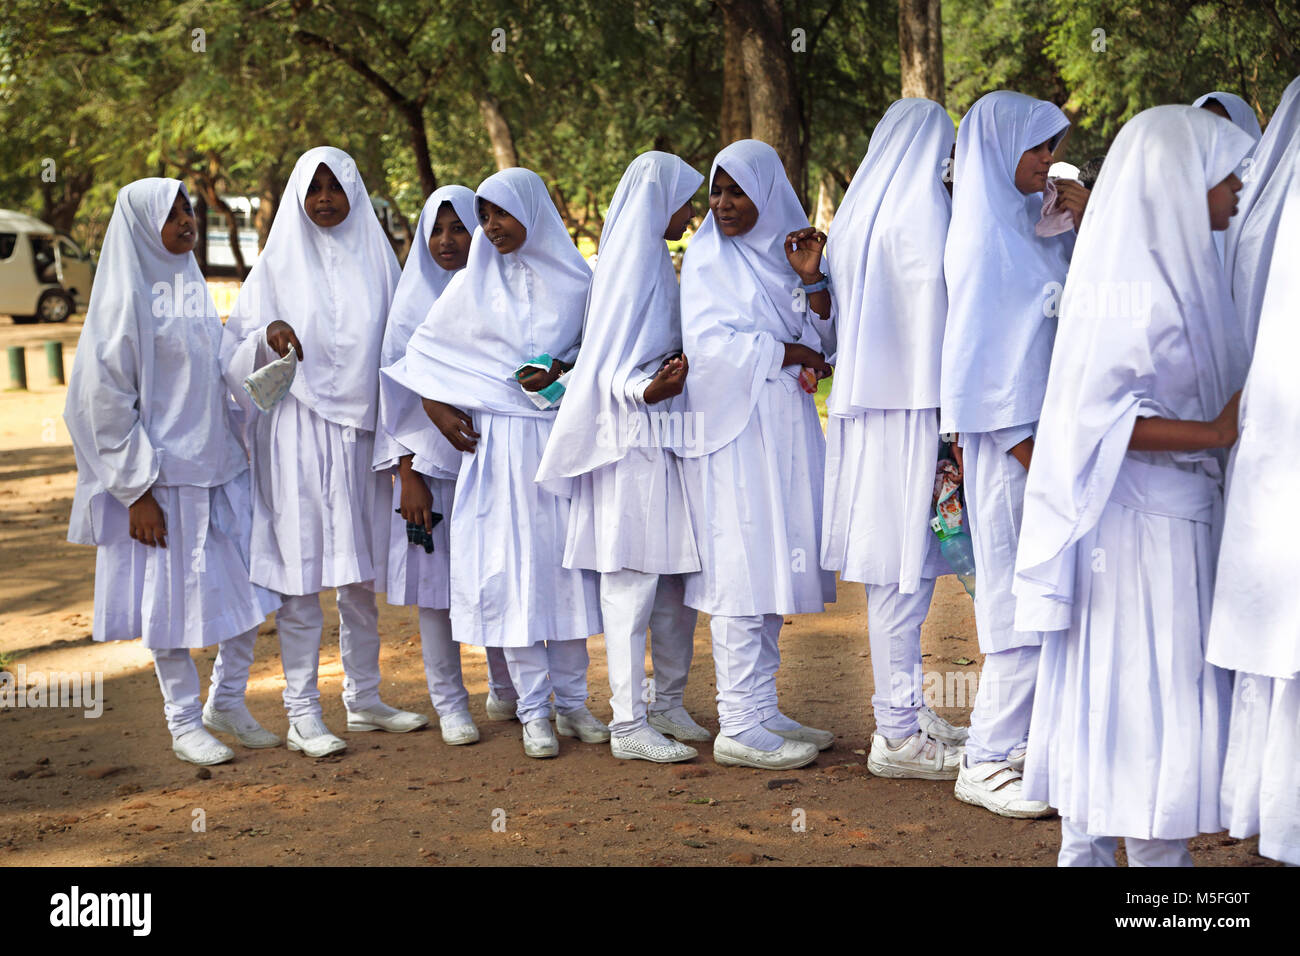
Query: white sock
(759, 738)
(780, 721)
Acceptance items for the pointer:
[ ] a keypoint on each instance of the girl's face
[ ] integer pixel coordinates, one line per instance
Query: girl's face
(327, 201)
(178, 234)
(1031, 171)
(504, 231)
(1223, 202)
(734, 212)
(679, 221)
(449, 241)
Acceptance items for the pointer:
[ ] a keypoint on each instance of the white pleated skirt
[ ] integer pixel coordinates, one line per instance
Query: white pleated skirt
(756, 505)
(880, 467)
(509, 587)
(193, 593)
(416, 577)
(1261, 775)
(318, 508)
(632, 514)
(1130, 722)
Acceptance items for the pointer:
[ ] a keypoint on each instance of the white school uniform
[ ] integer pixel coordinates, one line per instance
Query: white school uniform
(416, 576)
(1001, 279)
(628, 518)
(1254, 629)
(1116, 559)
(755, 456)
(885, 252)
(147, 410)
(318, 508)
(509, 587)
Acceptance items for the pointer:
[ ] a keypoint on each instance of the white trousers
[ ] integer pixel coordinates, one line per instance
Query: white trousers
(894, 631)
(1003, 704)
(1080, 848)
(631, 601)
(299, 622)
(499, 674)
(178, 679)
(745, 661)
(539, 669)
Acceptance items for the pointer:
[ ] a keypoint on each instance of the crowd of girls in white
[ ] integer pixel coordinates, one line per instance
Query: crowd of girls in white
(1126, 468)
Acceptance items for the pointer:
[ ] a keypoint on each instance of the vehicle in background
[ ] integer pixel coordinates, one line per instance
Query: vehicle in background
(44, 275)
(221, 257)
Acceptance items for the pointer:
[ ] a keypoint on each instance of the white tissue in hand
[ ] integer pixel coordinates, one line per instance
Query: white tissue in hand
(271, 382)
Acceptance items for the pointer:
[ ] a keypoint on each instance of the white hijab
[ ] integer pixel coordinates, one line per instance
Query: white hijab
(1178, 354)
(1248, 244)
(1001, 277)
(633, 317)
(1241, 113)
(1255, 625)
(738, 300)
(501, 310)
(333, 285)
(885, 252)
(423, 280)
(146, 401)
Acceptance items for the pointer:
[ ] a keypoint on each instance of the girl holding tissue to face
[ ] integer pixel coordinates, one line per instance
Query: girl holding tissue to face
(321, 287)
(520, 297)
(162, 482)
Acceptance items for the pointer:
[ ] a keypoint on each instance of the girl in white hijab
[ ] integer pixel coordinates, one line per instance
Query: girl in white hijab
(1255, 626)
(1233, 108)
(628, 518)
(520, 296)
(417, 576)
(1002, 281)
(1116, 559)
(322, 287)
(885, 251)
(1248, 243)
(752, 443)
(162, 482)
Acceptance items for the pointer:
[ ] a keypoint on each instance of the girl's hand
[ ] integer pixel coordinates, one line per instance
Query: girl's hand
(146, 521)
(1072, 196)
(281, 337)
(668, 381)
(1225, 425)
(417, 502)
(803, 249)
(802, 355)
(454, 424)
(534, 379)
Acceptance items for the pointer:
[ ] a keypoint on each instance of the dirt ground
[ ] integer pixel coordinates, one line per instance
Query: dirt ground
(81, 791)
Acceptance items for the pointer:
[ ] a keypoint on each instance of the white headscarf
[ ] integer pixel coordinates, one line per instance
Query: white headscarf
(1241, 113)
(1147, 328)
(633, 316)
(885, 253)
(333, 285)
(146, 401)
(1001, 276)
(738, 299)
(423, 280)
(501, 310)
(1248, 244)
(1255, 625)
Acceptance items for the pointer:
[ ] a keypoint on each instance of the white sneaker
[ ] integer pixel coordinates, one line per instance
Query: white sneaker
(539, 739)
(581, 723)
(240, 723)
(200, 747)
(821, 739)
(791, 754)
(383, 717)
(458, 729)
(309, 735)
(1017, 756)
(498, 709)
(940, 729)
(919, 757)
(997, 786)
(643, 746)
(676, 722)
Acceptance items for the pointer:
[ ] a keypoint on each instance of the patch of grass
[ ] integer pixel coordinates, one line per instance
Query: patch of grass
(7, 659)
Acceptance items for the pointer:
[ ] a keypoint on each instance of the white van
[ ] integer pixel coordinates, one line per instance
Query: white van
(44, 275)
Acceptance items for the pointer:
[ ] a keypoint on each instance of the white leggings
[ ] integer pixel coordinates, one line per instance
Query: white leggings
(179, 680)
(442, 665)
(1080, 848)
(299, 622)
(539, 669)
(894, 631)
(1003, 704)
(746, 658)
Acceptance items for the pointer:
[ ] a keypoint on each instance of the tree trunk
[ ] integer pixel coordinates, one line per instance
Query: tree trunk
(60, 205)
(825, 208)
(268, 201)
(201, 231)
(414, 115)
(735, 99)
(498, 130)
(920, 48)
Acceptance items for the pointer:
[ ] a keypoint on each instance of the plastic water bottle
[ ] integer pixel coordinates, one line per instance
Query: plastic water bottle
(955, 545)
